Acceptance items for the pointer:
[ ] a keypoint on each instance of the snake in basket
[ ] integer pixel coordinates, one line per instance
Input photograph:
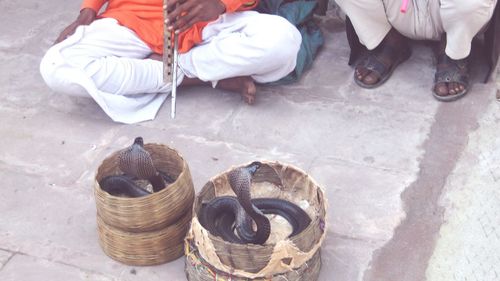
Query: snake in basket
(136, 164)
(223, 214)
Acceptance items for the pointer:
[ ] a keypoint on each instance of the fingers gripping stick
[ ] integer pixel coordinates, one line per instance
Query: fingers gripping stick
(170, 56)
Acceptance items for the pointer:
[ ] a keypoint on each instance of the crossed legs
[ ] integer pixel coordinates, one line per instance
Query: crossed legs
(119, 73)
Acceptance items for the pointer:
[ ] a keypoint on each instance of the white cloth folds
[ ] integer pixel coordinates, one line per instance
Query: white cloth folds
(461, 20)
(106, 61)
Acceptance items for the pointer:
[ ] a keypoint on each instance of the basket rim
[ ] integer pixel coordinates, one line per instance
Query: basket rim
(97, 186)
(270, 163)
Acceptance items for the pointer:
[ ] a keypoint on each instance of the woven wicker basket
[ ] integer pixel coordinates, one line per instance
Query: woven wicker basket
(150, 229)
(208, 255)
(154, 211)
(146, 248)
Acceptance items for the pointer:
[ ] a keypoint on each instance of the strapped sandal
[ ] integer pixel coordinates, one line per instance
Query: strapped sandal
(451, 71)
(375, 64)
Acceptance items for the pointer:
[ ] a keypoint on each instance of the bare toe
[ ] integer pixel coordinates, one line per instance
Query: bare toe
(371, 79)
(361, 72)
(248, 91)
(441, 89)
(366, 76)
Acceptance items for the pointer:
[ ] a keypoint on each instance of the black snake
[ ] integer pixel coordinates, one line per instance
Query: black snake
(136, 164)
(222, 215)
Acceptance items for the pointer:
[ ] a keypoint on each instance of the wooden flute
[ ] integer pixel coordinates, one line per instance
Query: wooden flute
(170, 56)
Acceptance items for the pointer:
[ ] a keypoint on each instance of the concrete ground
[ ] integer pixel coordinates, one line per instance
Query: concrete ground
(412, 183)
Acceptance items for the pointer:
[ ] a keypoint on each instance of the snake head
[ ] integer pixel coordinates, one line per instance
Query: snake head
(139, 141)
(253, 167)
(240, 179)
(136, 161)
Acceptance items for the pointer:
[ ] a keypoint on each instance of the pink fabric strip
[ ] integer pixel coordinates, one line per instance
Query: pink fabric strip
(404, 6)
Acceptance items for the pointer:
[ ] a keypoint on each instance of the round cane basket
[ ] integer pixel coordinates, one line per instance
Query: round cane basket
(150, 229)
(294, 258)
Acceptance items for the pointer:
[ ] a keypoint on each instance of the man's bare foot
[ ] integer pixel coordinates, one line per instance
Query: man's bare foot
(244, 85)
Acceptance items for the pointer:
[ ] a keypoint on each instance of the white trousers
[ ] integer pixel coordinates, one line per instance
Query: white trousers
(461, 20)
(106, 61)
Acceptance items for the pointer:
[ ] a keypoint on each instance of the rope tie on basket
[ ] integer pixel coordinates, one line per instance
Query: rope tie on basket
(197, 262)
(136, 164)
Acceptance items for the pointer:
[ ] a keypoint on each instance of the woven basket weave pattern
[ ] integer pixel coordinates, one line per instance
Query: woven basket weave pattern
(198, 269)
(147, 248)
(150, 229)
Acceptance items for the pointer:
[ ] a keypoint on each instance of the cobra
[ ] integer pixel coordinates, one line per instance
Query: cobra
(222, 215)
(136, 164)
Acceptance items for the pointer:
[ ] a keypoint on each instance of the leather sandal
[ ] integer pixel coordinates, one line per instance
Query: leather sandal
(375, 62)
(451, 71)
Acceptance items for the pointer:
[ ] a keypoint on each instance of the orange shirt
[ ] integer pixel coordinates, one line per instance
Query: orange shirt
(145, 18)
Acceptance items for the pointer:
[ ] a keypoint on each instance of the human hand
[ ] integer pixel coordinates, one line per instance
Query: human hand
(86, 17)
(189, 12)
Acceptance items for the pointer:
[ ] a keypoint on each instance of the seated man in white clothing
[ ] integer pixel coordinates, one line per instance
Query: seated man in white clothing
(115, 56)
(384, 26)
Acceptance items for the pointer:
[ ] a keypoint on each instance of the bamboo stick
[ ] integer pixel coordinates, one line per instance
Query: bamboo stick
(167, 66)
(174, 77)
(170, 59)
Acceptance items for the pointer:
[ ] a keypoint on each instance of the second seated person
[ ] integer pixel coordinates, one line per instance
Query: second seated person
(384, 26)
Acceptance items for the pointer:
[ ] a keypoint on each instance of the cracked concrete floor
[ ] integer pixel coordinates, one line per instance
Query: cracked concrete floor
(412, 183)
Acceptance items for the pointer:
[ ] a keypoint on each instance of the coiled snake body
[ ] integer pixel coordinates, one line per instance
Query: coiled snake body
(136, 164)
(220, 214)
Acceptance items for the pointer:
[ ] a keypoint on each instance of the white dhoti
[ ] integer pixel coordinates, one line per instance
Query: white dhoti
(461, 20)
(106, 61)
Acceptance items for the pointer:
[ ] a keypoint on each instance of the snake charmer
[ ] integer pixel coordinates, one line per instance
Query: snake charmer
(114, 56)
